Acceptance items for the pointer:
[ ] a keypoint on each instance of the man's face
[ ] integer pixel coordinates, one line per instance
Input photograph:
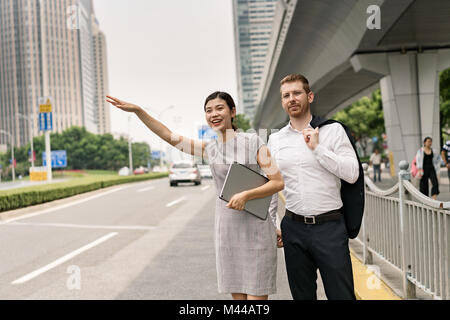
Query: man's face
(295, 100)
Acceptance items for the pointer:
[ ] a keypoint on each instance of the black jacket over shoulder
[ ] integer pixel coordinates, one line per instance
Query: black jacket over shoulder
(352, 195)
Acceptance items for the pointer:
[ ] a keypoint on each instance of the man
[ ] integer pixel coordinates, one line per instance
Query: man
(445, 154)
(375, 161)
(313, 230)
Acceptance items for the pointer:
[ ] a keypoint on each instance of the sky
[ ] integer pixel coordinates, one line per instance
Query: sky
(167, 53)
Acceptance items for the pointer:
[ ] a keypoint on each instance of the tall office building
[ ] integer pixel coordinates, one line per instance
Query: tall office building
(101, 79)
(253, 21)
(46, 50)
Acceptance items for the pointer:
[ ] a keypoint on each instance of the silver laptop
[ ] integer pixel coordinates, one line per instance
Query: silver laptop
(240, 178)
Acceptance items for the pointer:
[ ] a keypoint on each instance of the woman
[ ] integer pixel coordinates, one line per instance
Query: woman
(428, 162)
(246, 257)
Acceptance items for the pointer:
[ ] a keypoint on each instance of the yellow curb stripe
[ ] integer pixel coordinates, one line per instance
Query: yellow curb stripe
(367, 285)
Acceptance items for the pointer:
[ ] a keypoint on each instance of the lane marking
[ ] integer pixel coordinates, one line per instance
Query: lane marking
(62, 206)
(61, 260)
(146, 189)
(204, 188)
(81, 226)
(175, 202)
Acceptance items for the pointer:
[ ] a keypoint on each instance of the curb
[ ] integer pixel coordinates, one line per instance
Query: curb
(369, 286)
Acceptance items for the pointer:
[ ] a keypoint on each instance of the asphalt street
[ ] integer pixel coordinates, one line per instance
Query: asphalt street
(137, 241)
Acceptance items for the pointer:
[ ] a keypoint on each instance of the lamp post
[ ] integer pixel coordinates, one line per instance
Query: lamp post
(161, 142)
(160, 114)
(31, 127)
(130, 152)
(12, 153)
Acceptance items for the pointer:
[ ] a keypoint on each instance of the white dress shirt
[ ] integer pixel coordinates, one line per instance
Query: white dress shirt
(312, 179)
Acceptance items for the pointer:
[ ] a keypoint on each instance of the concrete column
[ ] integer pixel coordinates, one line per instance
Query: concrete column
(410, 95)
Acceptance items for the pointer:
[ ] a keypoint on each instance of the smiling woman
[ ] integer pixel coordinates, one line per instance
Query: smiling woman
(244, 243)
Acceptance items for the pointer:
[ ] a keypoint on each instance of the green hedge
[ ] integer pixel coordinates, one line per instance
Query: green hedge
(21, 198)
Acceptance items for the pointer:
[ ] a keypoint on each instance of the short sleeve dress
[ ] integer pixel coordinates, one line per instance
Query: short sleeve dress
(246, 246)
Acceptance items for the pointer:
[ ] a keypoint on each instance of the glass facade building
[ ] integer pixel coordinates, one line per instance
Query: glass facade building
(46, 50)
(253, 21)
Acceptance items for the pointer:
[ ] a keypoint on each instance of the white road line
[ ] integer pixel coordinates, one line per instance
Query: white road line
(62, 206)
(61, 260)
(81, 226)
(174, 202)
(204, 188)
(146, 189)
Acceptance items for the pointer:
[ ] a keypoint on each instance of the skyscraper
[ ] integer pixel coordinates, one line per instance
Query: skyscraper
(101, 79)
(252, 29)
(46, 50)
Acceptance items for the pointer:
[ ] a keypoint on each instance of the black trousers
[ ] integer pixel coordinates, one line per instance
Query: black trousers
(321, 246)
(431, 175)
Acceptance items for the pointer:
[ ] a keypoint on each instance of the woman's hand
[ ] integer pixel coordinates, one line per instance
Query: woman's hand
(279, 239)
(125, 106)
(237, 202)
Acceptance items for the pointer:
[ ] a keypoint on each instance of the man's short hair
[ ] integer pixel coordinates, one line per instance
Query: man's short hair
(296, 77)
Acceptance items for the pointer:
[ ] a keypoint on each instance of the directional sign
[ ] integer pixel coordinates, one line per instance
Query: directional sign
(45, 121)
(206, 133)
(156, 154)
(45, 107)
(59, 159)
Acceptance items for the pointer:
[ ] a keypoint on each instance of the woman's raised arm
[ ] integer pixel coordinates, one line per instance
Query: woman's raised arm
(189, 146)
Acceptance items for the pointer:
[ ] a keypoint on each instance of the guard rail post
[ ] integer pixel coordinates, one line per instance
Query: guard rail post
(367, 255)
(409, 289)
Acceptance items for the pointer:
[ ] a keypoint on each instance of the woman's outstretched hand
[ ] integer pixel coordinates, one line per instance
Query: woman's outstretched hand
(125, 106)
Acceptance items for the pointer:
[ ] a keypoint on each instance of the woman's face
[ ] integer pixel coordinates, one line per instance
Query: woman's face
(428, 143)
(218, 115)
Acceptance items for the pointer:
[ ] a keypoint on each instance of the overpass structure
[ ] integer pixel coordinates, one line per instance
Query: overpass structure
(334, 45)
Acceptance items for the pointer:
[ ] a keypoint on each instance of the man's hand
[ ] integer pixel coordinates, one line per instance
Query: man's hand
(237, 202)
(311, 137)
(279, 239)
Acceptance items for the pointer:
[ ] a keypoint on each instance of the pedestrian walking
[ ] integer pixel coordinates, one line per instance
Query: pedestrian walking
(375, 162)
(428, 165)
(315, 171)
(246, 246)
(445, 154)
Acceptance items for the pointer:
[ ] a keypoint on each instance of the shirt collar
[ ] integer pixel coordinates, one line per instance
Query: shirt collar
(289, 126)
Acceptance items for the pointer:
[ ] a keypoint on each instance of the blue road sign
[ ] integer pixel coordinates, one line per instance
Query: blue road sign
(207, 133)
(59, 159)
(156, 154)
(45, 121)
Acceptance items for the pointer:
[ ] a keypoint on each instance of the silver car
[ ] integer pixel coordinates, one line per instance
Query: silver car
(205, 171)
(184, 172)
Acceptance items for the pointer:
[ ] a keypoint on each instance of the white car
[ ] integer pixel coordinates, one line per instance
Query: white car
(125, 171)
(184, 172)
(205, 171)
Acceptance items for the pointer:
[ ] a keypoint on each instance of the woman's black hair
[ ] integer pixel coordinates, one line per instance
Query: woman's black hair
(227, 98)
(425, 140)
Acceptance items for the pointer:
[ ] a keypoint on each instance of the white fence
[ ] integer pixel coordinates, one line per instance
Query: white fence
(409, 231)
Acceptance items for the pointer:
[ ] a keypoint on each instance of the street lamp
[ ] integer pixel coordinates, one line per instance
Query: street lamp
(160, 141)
(130, 153)
(160, 114)
(12, 153)
(31, 127)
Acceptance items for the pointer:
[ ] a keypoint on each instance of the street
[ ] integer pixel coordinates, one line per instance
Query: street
(136, 241)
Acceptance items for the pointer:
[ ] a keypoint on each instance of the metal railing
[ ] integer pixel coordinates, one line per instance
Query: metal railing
(409, 231)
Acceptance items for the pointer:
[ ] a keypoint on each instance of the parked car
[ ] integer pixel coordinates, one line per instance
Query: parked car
(139, 170)
(205, 171)
(184, 172)
(125, 171)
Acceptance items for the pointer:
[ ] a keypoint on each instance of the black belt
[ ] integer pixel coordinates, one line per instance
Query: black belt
(328, 216)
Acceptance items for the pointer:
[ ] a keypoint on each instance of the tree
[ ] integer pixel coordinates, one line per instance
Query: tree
(444, 99)
(242, 122)
(364, 118)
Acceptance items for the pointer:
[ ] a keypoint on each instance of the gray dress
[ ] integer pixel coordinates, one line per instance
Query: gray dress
(246, 249)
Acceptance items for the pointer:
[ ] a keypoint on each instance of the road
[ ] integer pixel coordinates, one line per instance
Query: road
(136, 241)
